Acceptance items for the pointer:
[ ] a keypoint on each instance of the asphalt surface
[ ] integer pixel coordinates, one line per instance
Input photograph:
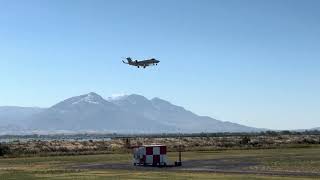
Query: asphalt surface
(227, 165)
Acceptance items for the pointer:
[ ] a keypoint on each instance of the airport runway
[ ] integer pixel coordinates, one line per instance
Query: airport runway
(226, 165)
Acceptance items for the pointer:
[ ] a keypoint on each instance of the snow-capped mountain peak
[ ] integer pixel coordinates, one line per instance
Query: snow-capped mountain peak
(86, 99)
(91, 98)
(117, 97)
(133, 113)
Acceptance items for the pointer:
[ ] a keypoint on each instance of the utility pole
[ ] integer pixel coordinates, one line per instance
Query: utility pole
(179, 162)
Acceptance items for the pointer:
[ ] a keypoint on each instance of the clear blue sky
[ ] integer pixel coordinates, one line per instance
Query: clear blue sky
(251, 62)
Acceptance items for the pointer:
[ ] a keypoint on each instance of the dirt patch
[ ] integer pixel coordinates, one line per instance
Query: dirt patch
(226, 165)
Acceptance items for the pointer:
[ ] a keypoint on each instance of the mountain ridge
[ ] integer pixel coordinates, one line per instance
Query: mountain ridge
(127, 114)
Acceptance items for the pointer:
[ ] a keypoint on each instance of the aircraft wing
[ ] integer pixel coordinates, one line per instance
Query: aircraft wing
(143, 63)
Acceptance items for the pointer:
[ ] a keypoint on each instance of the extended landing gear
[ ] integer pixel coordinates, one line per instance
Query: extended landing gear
(144, 67)
(138, 66)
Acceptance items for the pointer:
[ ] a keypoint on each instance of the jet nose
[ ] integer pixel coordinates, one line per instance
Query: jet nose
(157, 61)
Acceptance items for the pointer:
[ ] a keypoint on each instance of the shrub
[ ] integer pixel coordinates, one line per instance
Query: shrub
(127, 143)
(4, 149)
(245, 140)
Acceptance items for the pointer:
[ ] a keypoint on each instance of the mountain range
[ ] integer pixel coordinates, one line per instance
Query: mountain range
(126, 114)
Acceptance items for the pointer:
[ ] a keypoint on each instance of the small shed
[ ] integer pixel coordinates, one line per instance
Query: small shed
(150, 155)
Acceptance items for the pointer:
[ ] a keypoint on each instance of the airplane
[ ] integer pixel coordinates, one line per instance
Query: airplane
(143, 63)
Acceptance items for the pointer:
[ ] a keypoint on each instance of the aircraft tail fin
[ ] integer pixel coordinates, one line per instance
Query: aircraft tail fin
(129, 59)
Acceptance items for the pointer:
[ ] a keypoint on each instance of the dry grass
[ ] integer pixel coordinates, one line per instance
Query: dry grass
(291, 159)
(60, 147)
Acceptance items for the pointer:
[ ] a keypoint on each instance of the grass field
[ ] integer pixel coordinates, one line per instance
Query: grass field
(305, 160)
